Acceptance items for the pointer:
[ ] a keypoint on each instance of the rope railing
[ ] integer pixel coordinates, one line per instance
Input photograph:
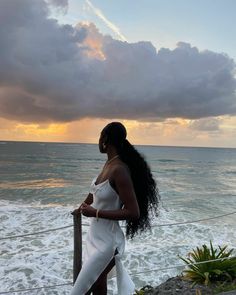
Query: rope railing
(36, 288)
(35, 233)
(132, 274)
(85, 224)
(195, 221)
(182, 265)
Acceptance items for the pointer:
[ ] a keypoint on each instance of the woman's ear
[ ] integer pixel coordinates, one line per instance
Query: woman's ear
(105, 140)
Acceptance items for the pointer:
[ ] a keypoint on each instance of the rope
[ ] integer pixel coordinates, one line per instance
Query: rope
(141, 272)
(36, 288)
(155, 225)
(184, 222)
(36, 233)
(182, 265)
(194, 221)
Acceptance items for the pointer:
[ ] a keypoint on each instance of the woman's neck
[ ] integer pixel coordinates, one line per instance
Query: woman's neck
(111, 154)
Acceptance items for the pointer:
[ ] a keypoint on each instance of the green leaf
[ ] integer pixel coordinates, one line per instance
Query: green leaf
(210, 271)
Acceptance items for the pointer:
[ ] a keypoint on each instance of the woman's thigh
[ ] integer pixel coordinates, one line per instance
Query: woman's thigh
(100, 286)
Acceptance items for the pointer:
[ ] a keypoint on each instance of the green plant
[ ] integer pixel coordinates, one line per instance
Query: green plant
(210, 271)
(143, 290)
(139, 292)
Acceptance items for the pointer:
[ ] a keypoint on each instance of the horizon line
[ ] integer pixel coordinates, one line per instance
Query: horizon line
(153, 145)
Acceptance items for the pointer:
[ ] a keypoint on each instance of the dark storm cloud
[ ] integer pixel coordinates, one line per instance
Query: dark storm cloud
(48, 73)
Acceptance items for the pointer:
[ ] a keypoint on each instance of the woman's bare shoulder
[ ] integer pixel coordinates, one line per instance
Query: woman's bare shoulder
(120, 169)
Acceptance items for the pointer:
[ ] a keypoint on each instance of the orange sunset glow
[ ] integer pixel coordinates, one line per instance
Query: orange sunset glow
(171, 132)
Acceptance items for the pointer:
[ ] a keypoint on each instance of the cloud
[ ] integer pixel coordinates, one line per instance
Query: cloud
(60, 73)
(206, 124)
(58, 6)
(59, 3)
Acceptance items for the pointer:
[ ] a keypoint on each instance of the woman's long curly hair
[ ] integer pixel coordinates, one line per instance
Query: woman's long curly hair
(144, 185)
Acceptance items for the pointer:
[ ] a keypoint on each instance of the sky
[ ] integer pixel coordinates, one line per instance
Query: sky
(164, 68)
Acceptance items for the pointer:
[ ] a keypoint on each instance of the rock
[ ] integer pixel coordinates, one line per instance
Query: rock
(178, 286)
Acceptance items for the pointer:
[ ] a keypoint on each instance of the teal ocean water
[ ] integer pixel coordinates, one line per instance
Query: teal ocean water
(41, 183)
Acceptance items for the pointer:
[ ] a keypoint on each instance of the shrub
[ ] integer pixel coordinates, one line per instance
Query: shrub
(143, 290)
(213, 271)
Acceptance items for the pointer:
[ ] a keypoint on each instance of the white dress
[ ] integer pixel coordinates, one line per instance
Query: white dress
(104, 237)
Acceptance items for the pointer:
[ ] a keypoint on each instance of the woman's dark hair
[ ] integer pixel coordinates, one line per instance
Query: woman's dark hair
(144, 185)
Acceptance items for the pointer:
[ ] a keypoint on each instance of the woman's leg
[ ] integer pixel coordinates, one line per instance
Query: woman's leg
(100, 286)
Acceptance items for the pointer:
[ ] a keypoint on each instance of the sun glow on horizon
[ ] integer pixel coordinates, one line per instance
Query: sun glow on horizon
(171, 132)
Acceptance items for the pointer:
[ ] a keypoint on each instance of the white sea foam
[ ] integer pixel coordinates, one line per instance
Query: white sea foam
(47, 259)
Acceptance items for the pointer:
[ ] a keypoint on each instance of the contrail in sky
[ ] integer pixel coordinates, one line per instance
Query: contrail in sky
(100, 14)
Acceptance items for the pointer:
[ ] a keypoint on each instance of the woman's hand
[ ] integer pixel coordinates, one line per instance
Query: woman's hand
(88, 200)
(77, 211)
(86, 210)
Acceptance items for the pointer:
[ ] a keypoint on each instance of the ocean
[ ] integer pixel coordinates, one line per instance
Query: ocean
(41, 183)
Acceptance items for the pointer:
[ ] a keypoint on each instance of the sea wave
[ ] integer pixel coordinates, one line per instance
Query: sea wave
(47, 259)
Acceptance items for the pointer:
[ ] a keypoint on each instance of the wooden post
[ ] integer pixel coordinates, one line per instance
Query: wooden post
(77, 246)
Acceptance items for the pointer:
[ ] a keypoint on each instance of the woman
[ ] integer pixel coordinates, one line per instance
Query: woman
(124, 190)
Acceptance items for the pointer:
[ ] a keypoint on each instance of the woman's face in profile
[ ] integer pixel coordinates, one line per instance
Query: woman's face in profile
(102, 141)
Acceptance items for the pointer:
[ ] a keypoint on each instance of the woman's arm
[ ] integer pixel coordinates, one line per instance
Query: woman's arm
(89, 199)
(124, 186)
